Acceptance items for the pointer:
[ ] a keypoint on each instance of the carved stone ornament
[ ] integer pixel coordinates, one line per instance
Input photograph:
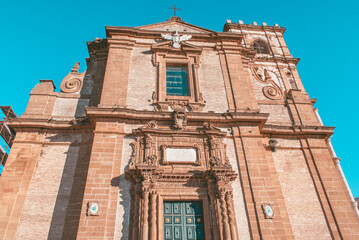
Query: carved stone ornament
(263, 76)
(93, 208)
(209, 178)
(183, 105)
(151, 160)
(72, 83)
(268, 210)
(210, 126)
(179, 119)
(214, 161)
(151, 124)
(273, 143)
(176, 39)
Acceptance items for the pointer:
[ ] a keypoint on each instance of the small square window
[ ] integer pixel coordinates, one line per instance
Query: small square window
(177, 80)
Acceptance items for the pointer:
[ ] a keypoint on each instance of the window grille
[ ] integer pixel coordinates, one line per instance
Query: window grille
(261, 47)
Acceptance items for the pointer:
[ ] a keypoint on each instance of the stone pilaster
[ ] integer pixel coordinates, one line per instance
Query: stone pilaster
(212, 198)
(136, 220)
(153, 222)
(226, 227)
(145, 200)
(231, 216)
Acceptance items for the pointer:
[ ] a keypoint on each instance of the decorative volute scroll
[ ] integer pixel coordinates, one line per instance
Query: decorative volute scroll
(72, 83)
(271, 91)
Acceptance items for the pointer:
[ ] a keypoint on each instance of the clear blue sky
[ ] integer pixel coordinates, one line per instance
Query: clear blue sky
(43, 40)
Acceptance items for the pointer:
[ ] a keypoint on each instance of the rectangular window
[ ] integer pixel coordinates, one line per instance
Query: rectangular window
(176, 81)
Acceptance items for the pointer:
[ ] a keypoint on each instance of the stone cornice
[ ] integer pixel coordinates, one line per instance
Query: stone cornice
(175, 20)
(225, 119)
(229, 26)
(299, 131)
(112, 32)
(36, 124)
(125, 115)
(270, 58)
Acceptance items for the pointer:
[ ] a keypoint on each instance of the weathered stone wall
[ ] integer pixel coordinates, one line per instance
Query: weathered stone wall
(49, 191)
(304, 210)
(278, 114)
(211, 82)
(238, 196)
(124, 199)
(69, 108)
(15, 180)
(142, 80)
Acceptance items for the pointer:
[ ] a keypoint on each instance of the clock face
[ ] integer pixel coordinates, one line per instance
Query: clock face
(94, 208)
(269, 211)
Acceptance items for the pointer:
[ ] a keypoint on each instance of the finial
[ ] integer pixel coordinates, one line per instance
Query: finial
(76, 67)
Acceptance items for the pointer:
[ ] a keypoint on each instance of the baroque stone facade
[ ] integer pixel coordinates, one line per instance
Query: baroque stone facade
(101, 158)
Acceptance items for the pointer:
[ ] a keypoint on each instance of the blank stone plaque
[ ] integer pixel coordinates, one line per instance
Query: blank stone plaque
(181, 155)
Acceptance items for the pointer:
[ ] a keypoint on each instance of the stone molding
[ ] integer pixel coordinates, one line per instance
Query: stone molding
(229, 26)
(163, 54)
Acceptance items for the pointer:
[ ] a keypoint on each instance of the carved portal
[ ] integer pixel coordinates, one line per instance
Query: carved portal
(263, 75)
(207, 180)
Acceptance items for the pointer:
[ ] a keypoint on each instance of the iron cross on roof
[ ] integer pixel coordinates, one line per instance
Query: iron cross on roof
(174, 9)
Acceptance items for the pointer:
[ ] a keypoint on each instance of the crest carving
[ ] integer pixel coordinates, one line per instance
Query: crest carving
(180, 119)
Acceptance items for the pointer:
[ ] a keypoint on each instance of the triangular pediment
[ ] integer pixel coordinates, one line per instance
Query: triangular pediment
(175, 24)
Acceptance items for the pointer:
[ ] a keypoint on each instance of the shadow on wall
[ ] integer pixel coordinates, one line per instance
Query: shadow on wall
(124, 212)
(124, 202)
(67, 210)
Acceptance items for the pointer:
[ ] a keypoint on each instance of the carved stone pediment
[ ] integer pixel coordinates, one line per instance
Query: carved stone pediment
(184, 105)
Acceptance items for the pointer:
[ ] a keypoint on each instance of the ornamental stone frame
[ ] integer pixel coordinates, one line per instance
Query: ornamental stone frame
(164, 54)
(154, 181)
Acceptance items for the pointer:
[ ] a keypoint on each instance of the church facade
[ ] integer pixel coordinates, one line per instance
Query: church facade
(175, 131)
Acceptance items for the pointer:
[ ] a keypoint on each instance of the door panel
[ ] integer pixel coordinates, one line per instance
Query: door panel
(183, 220)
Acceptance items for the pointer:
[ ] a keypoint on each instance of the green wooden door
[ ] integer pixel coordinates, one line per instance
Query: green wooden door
(183, 221)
